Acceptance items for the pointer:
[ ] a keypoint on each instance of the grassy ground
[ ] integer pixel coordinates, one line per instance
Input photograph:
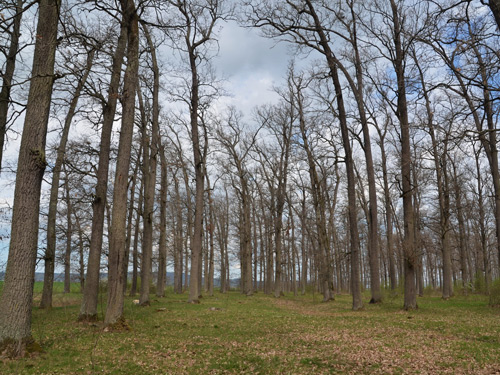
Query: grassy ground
(233, 334)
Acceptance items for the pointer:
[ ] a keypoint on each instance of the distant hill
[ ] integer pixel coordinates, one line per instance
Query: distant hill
(75, 278)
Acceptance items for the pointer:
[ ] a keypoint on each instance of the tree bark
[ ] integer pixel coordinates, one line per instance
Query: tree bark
(162, 247)
(114, 312)
(69, 234)
(17, 297)
(149, 175)
(410, 258)
(88, 309)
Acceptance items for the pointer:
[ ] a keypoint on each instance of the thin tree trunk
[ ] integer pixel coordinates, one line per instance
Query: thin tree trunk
(135, 246)
(442, 185)
(81, 258)
(130, 219)
(351, 184)
(149, 175)
(50, 253)
(69, 234)
(162, 248)
(8, 74)
(211, 228)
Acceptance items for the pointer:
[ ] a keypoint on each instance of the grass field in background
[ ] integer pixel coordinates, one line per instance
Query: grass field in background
(234, 334)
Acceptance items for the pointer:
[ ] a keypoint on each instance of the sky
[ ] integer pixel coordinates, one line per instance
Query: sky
(252, 66)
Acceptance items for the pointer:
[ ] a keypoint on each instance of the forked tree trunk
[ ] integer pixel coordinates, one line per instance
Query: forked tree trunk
(17, 296)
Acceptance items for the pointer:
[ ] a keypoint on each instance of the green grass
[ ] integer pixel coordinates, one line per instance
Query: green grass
(233, 334)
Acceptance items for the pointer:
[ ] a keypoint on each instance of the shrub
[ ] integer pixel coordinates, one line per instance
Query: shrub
(479, 283)
(495, 293)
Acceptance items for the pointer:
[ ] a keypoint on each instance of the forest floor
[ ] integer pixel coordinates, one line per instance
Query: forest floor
(234, 334)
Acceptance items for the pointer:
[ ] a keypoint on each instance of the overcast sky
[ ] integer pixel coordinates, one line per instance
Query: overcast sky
(252, 65)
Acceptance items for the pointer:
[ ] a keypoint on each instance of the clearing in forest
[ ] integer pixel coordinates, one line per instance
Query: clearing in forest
(234, 334)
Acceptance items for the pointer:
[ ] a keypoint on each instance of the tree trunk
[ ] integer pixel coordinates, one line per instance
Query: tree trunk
(69, 234)
(410, 258)
(88, 309)
(440, 165)
(17, 296)
(178, 242)
(318, 203)
(130, 219)
(357, 302)
(114, 312)
(162, 247)
(199, 168)
(135, 246)
(149, 175)
(211, 228)
(81, 259)
(50, 252)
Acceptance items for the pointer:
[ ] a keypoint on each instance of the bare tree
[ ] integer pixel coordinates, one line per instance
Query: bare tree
(150, 150)
(114, 311)
(88, 309)
(48, 279)
(238, 144)
(199, 19)
(12, 28)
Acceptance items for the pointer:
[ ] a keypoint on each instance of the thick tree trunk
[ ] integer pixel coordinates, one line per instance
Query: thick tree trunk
(409, 251)
(88, 309)
(17, 296)
(495, 9)
(114, 312)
